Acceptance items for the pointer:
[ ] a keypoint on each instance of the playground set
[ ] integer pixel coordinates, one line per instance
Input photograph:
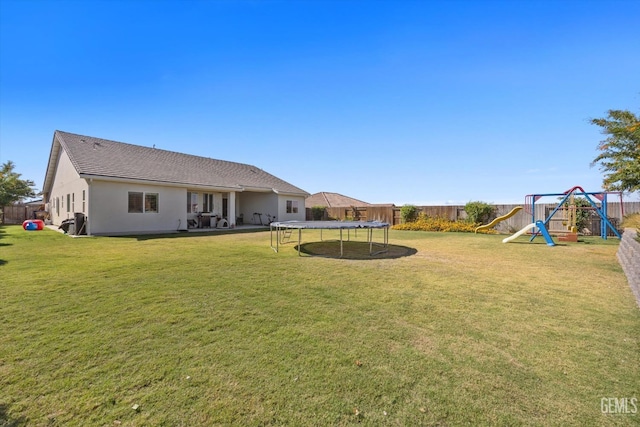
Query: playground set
(569, 208)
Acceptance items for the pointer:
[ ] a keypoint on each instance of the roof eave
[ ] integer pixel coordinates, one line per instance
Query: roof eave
(54, 154)
(289, 193)
(155, 182)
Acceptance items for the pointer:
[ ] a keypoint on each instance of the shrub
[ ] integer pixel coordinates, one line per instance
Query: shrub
(317, 212)
(631, 221)
(479, 212)
(426, 223)
(583, 216)
(408, 213)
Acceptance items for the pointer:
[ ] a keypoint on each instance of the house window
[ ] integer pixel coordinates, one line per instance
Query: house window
(83, 200)
(143, 202)
(151, 202)
(292, 206)
(135, 202)
(68, 202)
(73, 202)
(207, 202)
(57, 206)
(192, 202)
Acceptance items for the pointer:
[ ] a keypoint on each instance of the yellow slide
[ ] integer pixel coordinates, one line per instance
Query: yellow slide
(500, 218)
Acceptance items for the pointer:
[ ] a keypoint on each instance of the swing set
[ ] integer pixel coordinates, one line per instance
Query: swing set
(569, 209)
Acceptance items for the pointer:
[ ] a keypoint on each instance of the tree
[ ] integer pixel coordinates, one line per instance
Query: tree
(409, 213)
(317, 212)
(12, 188)
(479, 212)
(619, 154)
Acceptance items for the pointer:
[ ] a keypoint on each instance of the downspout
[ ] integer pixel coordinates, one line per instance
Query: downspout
(89, 204)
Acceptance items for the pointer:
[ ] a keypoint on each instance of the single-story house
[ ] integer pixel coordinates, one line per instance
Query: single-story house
(118, 188)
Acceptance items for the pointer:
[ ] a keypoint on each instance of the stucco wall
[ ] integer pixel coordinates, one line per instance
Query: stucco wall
(109, 207)
(282, 209)
(263, 203)
(629, 258)
(66, 182)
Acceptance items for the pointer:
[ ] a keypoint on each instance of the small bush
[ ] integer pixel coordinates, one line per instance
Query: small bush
(479, 212)
(631, 221)
(426, 223)
(583, 216)
(317, 212)
(408, 213)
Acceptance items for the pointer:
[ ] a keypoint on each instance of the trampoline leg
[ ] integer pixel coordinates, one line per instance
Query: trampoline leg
(271, 238)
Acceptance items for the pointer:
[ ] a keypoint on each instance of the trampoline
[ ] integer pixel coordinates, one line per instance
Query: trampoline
(283, 230)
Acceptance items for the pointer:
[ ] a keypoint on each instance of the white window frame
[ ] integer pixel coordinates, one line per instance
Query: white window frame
(192, 202)
(144, 200)
(292, 206)
(151, 199)
(207, 202)
(138, 205)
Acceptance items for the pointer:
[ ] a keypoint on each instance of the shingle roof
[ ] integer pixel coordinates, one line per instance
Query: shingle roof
(110, 159)
(332, 200)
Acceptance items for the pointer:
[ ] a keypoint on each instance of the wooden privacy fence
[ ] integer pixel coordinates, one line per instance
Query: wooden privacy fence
(391, 214)
(17, 213)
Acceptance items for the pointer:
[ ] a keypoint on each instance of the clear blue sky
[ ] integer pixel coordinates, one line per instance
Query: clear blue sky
(420, 102)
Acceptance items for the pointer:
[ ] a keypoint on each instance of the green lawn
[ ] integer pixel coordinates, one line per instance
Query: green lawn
(218, 329)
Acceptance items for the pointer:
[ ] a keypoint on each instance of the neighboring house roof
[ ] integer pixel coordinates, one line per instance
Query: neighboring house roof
(332, 200)
(105, 159)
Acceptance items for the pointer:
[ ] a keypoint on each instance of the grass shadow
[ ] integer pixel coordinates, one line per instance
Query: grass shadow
(354, 250)
(3, 262)
(7, 421)
(541, 243)
(217, 232)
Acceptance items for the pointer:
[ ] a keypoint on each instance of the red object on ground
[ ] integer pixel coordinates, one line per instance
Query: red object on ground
(33, 224)
(568, 237)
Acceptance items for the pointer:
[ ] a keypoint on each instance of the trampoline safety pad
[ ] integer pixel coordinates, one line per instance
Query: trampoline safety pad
(283, 230)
